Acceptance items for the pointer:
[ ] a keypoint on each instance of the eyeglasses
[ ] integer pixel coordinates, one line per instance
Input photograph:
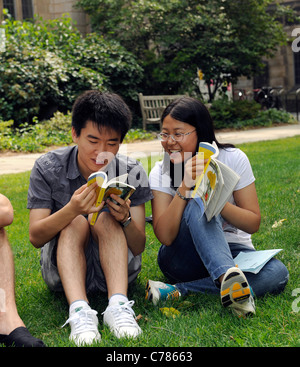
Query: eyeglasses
(176, 137)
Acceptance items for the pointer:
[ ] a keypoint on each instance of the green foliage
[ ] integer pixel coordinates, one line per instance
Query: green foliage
(47, 64)
(226, 39)
(34, 79)
(37, 136)
(56, 131)
(243, 114)
(138, 135)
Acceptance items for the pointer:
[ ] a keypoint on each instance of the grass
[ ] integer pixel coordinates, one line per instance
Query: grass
(202, 321)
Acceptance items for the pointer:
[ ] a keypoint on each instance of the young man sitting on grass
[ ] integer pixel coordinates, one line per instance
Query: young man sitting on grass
(12, 329)
(77, 257)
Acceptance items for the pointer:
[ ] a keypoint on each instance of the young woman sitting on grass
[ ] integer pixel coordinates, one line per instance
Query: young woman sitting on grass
(197, 255)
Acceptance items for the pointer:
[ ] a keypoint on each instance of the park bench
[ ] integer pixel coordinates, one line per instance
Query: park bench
(152, 107)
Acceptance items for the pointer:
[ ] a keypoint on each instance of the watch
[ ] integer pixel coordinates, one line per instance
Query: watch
(127, 222)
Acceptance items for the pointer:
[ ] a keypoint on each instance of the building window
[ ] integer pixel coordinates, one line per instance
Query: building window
(10, 5)
(297, 67)
(262, 79)
(27, 9)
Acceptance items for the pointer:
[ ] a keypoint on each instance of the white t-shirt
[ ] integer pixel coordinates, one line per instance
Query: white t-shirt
(234, 158)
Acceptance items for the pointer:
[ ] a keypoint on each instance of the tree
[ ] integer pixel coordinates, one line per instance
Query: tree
(225, 39)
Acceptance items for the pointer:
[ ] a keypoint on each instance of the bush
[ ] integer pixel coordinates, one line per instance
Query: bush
(242, 114)
(34, 79)
(53, 132)
(47, 64)
(37, 136)
(226, 113)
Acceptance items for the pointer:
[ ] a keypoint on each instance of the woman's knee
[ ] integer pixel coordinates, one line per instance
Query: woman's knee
(194, 208)
(282, 275)
(271, 279)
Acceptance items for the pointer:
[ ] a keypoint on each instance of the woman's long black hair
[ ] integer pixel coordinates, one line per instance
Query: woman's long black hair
(194, 113)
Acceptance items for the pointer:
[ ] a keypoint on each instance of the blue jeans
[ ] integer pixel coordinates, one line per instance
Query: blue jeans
(200, 254)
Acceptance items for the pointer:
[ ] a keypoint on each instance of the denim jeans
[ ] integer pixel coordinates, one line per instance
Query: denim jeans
(200, 254)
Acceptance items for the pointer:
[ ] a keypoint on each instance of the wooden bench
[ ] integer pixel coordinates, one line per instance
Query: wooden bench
(152, 107)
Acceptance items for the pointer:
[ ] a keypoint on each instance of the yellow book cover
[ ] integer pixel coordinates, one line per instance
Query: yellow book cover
(216, 183)
(105, 188)
(206, 151)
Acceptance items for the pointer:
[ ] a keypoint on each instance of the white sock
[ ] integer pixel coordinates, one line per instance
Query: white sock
(77, 306)
(117, 298)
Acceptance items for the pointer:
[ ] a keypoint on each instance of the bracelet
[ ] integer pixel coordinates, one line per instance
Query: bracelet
(181, 196)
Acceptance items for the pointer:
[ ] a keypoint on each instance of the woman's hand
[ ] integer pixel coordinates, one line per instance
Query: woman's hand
(193, 169)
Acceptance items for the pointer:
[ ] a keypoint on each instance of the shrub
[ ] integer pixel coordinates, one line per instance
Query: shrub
(242, 114)
(33, 79)
(53, 132)
(225, 113)
(46, 64)
(37, 136)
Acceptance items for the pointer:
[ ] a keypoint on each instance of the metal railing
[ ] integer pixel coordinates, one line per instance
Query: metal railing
(272, 97)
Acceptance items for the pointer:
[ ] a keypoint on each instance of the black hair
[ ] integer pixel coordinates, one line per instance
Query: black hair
(103, 109)
(194, 113)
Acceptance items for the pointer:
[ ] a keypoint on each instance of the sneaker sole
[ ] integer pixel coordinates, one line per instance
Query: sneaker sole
(151, 293)
(91, 339)
(235, 288)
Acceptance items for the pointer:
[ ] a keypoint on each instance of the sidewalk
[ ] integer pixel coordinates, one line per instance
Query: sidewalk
(16, 163)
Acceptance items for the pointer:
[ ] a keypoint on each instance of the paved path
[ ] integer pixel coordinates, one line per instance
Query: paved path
(16, 163)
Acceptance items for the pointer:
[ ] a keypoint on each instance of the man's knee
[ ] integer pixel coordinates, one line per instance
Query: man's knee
(77, 230)
(106, 223)
(107, 229)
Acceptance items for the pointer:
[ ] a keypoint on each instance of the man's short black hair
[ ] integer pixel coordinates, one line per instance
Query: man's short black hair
(104, 109)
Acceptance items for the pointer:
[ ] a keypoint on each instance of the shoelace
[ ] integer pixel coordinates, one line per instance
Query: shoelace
(83, 321)
(123, 314)
(173, 295)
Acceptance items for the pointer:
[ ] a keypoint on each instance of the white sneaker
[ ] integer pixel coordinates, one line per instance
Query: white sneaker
(120, 318)
(84, 326)
(236, 293)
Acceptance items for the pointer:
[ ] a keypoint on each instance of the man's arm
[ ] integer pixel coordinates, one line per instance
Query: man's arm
(43, 226)
(135, 231)
(6, 212)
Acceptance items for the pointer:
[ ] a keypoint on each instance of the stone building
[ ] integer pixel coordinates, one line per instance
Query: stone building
(283, 70)
(47, 9)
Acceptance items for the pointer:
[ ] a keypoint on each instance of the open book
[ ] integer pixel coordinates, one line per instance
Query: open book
(217, 182)
(254, 261)
(105, 188)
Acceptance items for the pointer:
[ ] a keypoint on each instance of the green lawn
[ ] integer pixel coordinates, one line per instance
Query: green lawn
(202, 320)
